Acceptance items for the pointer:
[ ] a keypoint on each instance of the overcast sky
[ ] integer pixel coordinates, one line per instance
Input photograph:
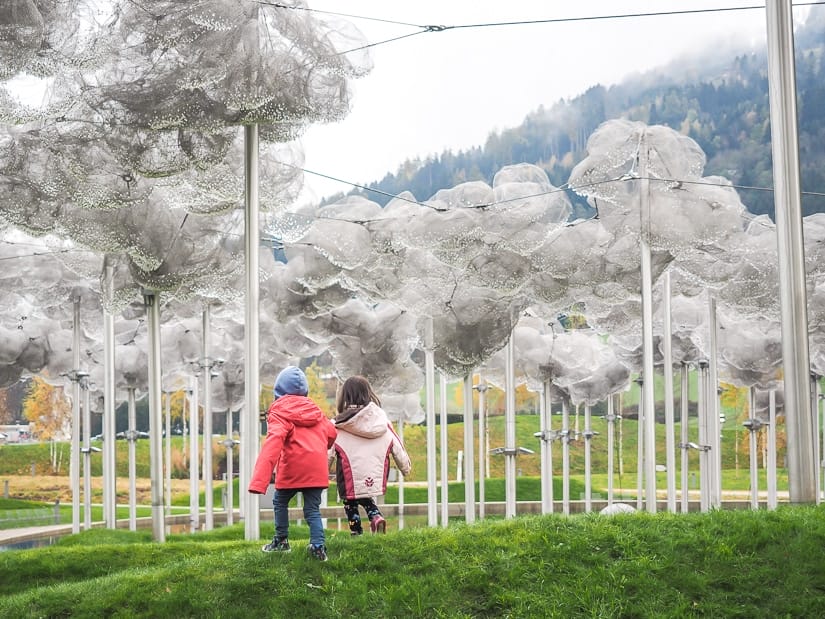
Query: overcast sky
(450, 89)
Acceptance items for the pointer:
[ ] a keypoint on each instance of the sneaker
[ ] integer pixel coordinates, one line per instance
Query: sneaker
(319, 552)
(277, 545)
(378, 525)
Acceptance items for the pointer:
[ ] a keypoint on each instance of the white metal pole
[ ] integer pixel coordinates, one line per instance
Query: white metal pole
(620, 437)
(703, 436)
(588, 480)
(815, 421)
(400, 478)
(230, 469)
(151, 301)
(487, 473)
(667, 370)
(194, 457)
(429, 383)
(771, 470)
(640, 446)
(109, 422)
(469, 450)
(611, 428)
(483, 461)
(791, 251)
(250, 428)
(647, 399)
(752, 429)
(685, 433)
(168, 454)
(87, 457)
(546, 442)
(184, 416)
(510, 447)
(445, 455)
(207, 365)
(821, 415)
(565, 456)
(131, 438)
(74, 459)
(714, 425)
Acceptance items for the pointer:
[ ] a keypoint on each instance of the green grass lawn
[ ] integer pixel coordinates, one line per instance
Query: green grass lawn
(23, 459)
(718, 564)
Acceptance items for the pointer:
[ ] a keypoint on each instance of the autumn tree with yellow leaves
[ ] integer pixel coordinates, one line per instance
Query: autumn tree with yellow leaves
(318, 390)
(6, 415)
(176, 405)
(50, 414)
(737, 399)
(526, 400)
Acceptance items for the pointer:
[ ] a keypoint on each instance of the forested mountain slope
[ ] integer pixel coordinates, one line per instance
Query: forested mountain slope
(720, 101)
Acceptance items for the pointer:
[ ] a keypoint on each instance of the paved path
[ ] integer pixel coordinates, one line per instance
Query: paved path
(24, 534)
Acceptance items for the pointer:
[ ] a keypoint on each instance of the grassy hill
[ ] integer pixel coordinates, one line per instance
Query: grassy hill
(717, 564)
(720, 564)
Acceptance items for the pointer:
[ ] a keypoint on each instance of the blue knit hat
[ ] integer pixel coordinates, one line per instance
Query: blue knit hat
(291, 381)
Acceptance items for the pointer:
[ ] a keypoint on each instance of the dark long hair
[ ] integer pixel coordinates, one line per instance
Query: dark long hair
(356, 391)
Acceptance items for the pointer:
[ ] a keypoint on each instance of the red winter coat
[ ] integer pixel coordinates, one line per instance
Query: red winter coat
(297, 440)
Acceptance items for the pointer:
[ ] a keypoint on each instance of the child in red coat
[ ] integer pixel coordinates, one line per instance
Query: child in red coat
(297, 441)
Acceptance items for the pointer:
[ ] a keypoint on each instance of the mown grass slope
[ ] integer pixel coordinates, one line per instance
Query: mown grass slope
(719, 564)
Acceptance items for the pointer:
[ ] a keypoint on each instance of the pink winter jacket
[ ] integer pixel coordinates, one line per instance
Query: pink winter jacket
(362, 450)
(297, 442)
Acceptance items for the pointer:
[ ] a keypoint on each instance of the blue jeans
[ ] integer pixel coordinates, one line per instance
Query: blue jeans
(312, 513)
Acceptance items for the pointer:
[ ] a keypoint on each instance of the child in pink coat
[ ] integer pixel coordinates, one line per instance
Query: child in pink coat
(365, 441)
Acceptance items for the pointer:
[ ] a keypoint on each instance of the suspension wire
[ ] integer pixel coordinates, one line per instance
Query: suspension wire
(485, 205)
(567, 187)
(619, 16)
(278, 243)
(356, 185)
(631, 175)
(377, 43)
(281, 5)
(425, 28)
(42, 253)
(442, 28)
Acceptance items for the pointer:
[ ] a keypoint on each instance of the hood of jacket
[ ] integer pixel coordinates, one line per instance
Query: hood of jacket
(297, 409)
(291, 381)
(368, 422)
